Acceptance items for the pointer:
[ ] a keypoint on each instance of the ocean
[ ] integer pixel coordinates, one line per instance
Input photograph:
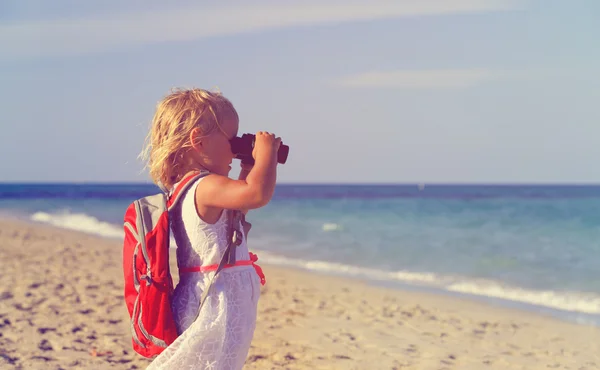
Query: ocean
(529, 247)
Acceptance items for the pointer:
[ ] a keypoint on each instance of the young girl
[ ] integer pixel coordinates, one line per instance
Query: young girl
(190, 132)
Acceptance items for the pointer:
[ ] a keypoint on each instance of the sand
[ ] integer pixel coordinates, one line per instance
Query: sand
(61, 307)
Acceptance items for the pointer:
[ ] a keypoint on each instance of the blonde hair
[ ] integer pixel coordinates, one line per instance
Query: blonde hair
(176, 116)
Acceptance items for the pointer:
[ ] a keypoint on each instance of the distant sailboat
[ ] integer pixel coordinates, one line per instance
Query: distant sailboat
(421, 186)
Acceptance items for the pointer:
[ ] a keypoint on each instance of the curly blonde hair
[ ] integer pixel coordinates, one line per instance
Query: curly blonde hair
(176, 116)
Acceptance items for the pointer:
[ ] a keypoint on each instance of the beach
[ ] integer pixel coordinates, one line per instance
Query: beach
(62, 307)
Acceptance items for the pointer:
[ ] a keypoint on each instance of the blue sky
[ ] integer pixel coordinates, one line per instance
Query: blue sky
(451, 91)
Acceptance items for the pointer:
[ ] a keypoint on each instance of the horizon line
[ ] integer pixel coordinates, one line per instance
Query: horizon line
(324, 183)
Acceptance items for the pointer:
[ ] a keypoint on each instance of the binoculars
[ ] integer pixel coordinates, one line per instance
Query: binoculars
(242, 149)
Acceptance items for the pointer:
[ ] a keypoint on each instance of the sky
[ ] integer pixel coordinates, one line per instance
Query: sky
(428, 91)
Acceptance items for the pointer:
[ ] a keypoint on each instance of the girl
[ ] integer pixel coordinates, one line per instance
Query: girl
(190, 132)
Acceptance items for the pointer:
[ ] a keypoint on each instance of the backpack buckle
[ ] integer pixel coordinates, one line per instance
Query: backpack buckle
(147, 277)
(237, 238)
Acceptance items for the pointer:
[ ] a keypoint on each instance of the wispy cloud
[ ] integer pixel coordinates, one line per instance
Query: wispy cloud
(421, 79)
(88, 35)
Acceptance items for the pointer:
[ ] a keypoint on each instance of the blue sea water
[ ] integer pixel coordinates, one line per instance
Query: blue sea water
(534, 247)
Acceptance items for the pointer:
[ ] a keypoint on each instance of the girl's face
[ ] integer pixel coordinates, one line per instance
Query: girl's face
(215, 149)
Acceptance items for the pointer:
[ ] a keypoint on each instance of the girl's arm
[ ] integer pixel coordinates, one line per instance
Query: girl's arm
(246, 168)
(255, 191)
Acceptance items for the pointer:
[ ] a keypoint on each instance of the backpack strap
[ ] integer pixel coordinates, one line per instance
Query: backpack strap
(228, 256)
(175, 195)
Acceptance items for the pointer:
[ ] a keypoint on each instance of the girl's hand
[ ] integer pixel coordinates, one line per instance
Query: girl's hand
(266, 146)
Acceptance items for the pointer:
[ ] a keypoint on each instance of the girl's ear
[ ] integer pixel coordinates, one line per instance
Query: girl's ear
(196, 139)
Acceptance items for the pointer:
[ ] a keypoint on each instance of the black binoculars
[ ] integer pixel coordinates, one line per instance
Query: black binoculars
(242, 149)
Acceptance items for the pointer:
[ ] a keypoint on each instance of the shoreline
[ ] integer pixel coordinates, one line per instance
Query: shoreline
(61, 306)
(566, 316)
(561, 314)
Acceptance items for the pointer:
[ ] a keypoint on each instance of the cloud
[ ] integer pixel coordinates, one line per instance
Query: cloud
(90, 35)
(420, 79)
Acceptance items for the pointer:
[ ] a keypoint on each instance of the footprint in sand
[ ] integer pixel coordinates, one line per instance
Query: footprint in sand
(342, 357)
(449, 360)
(412, 350)
(350, 336)
(45, 330)
(478, 332)
(43, 358)
(255, 358)
(45, 345)
(5, 322)
(11, 360)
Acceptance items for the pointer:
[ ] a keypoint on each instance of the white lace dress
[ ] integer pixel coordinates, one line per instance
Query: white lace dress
(220, 337)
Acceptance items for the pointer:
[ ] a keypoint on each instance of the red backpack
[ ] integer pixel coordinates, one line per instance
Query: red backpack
(148, 282)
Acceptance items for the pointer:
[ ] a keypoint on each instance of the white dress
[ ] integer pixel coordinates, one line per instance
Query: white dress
(221, 335)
